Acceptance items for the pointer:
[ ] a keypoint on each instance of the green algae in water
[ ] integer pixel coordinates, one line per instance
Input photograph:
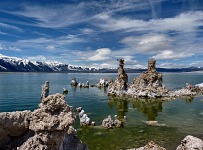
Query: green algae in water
(130, 137)
(136, 134)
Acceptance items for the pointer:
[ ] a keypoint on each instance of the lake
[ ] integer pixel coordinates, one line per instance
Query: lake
(21, 91)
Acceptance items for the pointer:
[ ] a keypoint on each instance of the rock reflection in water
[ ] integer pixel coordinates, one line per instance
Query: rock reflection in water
(150, 107)
(121, 105)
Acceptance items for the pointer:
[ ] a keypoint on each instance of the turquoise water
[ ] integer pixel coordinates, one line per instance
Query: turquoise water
(20, 91)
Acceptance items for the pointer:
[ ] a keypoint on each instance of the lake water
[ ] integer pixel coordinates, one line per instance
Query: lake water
(20, 91)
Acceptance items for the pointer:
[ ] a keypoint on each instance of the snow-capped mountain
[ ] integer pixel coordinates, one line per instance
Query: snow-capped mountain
(14, 64)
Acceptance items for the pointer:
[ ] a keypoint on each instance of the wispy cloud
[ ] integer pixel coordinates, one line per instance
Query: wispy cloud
(10, 27)
(168, 54)
(185, 22)
(58, 16)
(54, 42)
(10, 48)
(149, 43)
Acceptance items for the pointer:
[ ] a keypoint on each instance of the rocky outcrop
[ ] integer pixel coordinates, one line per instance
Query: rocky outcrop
(13, 124)
(47, 126)
(190, 143)
(150, 146)
(121, 83)
(45, 90)
(148, 84)
(104, 82)
(188, 90)
(109, 123)
(72, 142)
(74, 82)
(84, 119)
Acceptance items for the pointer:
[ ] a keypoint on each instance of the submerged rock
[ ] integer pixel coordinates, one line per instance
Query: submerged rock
(191, 143)
(153, 123)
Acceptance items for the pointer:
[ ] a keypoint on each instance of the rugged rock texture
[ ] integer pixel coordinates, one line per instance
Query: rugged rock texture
(189, 90)
(13, 124)
(121, 82)
(44, 128)
(150, 146)
(148, 84)
(45, 90)
(191, 143)
(72, 142)
(84, 119)
(110, 123)
(104, 82)
(74, 82)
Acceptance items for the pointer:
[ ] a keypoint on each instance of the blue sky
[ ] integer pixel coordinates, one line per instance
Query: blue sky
(96, 33)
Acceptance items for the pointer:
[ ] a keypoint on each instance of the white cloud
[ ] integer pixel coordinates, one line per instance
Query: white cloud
(50, 16)
(149, 43)
(185, 22)
(87, 31)
(40, 58)
(168, 54)
(60, 43)
(100, 55)
(107, 65)
(50, 47)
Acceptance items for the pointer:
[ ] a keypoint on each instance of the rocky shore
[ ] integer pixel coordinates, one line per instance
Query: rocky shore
(148, 85)
(188, 143)
(49, 127)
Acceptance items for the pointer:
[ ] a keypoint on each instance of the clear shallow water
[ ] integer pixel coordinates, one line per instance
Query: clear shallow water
(20, 91)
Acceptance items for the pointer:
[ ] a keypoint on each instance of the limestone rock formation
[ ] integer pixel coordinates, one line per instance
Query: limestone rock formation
(110, 123)
(191, 143)
(44, 128)
(148, 84)
(150, 146)
(45, 90)
(12, 124)
(84, 119)
(104, 82)
(121, 82)
(188, 90)
(74, 82)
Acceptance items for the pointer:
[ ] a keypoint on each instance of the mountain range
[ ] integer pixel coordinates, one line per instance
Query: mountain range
(14, 64)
